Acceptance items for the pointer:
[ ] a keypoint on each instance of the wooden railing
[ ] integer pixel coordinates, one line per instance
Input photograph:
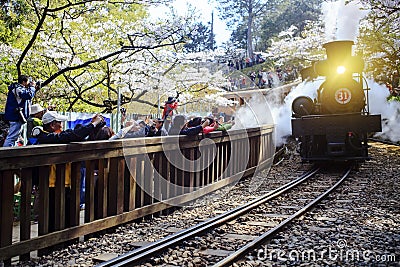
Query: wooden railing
(125, 180)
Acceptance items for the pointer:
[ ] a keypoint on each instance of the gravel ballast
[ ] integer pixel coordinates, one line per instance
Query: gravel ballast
(357, 225)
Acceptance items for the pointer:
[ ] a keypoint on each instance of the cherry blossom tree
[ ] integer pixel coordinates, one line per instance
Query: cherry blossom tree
(97, 55)
(193, 76)
(380, 42)
(302, 50)
(78, 47)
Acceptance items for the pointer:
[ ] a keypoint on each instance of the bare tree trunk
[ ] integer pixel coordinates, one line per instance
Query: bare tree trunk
(250, 30)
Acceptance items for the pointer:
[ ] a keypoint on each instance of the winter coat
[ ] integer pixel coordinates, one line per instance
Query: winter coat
(79, 133)
(139, 133)
(32, 122)
(18, 97)
(191, 130)
(168, 109)
(224, 127)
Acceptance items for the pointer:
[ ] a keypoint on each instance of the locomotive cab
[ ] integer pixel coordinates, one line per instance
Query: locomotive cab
(335, 125)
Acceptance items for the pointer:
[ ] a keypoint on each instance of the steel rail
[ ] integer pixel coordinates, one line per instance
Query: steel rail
(279, 153)
(384, 141)
(141, 253)
(261, 239)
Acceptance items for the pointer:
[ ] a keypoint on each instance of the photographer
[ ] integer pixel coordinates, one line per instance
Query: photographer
(170, 106)
(20, 95)
(52, 132)
(159, 125)
(192, 127)
(133, 129)
(213, 125)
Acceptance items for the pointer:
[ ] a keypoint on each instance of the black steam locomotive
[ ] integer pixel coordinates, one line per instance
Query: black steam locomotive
(335, 125)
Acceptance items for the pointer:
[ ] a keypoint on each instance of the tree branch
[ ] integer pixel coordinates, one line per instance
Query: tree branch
(85, 64)
(33, 38)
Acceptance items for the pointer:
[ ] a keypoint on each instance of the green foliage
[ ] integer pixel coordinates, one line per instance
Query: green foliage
(12, 15)
(393, 98)
(275, 17)
(200, 40)
(238, 13)
(285, 14)
(380, 48)
(238, 37)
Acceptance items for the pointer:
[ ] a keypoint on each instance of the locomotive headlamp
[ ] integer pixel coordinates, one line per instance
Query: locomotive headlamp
(341, 69)
(339, 60)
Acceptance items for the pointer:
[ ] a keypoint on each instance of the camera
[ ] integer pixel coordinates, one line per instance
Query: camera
(150, 130)
(38, 85)
(210, 120)
(102, 123)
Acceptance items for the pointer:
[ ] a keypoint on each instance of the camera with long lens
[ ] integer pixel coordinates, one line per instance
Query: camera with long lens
(38, 84)
(210, 120)
(102, 123)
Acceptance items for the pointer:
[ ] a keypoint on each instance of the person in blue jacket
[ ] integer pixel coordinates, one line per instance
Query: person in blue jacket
(20, 95)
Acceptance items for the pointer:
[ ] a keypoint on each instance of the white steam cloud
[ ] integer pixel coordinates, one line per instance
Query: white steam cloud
(389, 110)
(342, 20)
(255, 113)
(282, 113)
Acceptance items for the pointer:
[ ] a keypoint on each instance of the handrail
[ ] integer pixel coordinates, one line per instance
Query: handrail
(126, 179)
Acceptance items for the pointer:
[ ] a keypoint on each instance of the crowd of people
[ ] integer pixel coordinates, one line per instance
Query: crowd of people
(45, 126)
(245, 62)
(263, 78)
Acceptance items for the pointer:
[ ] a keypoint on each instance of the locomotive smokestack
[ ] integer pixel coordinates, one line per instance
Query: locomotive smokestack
(339, 61)
(338, 51)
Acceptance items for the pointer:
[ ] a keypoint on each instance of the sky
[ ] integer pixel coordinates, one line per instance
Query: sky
(205, 8)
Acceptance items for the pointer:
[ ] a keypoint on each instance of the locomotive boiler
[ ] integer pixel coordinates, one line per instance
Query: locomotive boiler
(336, 124)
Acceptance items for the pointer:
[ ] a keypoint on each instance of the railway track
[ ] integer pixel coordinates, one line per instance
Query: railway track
(387, 142)
(261, 214)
